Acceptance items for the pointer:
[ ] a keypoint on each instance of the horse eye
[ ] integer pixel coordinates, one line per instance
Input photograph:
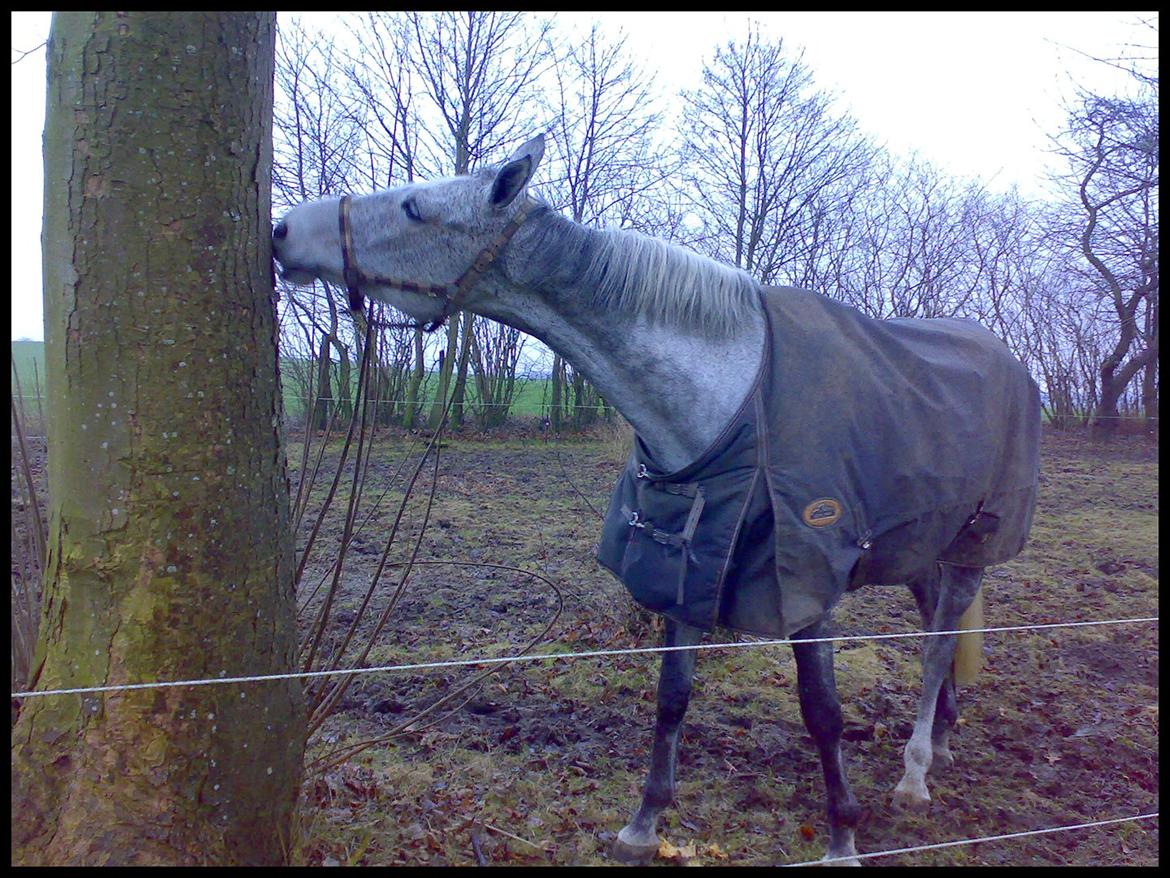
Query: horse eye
(411, 210)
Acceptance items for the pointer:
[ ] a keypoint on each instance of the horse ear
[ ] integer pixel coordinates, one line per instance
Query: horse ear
(515, 173)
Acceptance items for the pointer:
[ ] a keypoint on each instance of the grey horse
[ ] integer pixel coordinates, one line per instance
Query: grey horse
(788, 449)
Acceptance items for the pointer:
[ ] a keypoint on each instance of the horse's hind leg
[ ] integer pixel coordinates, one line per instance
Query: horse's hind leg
(925, 588)
(638, 840)
(822, 717)
(957, 588)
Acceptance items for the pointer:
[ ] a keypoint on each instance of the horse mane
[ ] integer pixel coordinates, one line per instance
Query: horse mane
(642, 276)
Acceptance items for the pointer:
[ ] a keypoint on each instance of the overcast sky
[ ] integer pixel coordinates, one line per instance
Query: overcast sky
(974, 93)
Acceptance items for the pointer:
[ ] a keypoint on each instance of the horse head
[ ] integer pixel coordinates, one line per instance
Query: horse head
(421, 247)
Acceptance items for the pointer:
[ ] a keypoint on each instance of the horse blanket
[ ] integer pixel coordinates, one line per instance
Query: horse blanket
(866, 451)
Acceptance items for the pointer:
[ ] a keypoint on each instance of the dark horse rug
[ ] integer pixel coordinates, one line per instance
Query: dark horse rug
(867, 450)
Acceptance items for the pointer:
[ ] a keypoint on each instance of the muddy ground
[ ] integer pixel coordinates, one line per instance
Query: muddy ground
(543, 762)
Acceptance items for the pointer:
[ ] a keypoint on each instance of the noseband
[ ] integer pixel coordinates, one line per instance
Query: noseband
(452, 295)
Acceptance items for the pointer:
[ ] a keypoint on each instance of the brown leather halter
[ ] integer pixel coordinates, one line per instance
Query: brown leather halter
(452, 295)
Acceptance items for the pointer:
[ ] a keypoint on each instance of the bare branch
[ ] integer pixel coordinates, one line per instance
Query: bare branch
(25, 54)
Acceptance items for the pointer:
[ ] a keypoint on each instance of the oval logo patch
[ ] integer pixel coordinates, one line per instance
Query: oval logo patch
(822, 512)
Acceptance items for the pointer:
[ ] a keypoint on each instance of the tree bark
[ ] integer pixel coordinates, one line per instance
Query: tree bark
(325, 402)
(556, 405)
(460, 392)
(414, 388)
(170, 551)
(446, 366)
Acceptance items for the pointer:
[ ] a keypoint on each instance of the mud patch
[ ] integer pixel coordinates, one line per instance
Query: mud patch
(1112, 664)
(545, 762)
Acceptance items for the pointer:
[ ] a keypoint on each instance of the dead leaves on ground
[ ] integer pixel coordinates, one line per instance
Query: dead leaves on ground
(690, 854)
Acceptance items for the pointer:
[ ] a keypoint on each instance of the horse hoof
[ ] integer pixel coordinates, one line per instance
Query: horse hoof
(840, 860)
(912, 794)
(632, 849)
(911, 797)
(942, 761)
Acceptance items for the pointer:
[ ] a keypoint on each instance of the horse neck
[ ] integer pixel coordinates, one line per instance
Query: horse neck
(677, 387)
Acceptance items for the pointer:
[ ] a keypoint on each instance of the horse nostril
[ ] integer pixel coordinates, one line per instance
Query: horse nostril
(280, 232)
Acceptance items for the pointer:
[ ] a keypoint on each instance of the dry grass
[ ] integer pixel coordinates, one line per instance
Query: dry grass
(545, 763)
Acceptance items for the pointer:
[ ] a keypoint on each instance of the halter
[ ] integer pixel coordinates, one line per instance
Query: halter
(452, 295)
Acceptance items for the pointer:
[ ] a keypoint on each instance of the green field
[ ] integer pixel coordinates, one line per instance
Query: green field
(28, 359)
(531, 398)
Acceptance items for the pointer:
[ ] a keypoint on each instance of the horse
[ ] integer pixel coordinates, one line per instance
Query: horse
(787, 448)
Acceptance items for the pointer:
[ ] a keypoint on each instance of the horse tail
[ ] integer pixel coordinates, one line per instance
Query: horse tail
(969, 648)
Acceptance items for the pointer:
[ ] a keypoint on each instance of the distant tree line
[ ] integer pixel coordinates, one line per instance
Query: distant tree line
(756, 167)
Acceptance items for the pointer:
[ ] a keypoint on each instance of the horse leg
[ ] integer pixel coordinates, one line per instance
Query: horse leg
(822, 717)
(925, 590)
(638, 840)
(957, 588)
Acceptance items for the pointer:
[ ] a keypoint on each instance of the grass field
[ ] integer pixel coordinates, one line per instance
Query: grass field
(28, 363)
(532, 397)
(544, 762)
(531, 400)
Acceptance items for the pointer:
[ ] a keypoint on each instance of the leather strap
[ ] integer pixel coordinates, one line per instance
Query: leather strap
(451, 294)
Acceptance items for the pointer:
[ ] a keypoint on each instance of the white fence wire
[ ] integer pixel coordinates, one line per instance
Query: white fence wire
(659, 649)
(551, 656)
(965, 841)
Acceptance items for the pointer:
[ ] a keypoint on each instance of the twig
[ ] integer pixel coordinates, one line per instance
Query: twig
(24, 55)
(569, 480)
(338, 756)
(517, 838)
(476, 847)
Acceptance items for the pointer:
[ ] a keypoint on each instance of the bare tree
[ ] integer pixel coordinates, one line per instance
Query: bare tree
(479, 70)
(605, 130)
(762, 146)
(382, 77)
(317, 143)
(1111, 146)
(495, 357)
(317, 152)
(901, 244)
(605, 142)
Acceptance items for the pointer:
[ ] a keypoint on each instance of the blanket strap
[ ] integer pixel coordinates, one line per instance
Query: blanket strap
(682, 540)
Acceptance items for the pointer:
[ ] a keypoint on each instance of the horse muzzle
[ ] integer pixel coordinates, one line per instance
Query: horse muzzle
(290, 272)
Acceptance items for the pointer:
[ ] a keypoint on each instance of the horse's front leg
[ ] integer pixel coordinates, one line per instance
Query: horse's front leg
(957, 589)
(822, 717)
(638, 840)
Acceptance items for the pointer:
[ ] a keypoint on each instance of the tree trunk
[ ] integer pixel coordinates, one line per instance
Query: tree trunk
(170, 551)
(460, 392)
(413, 403)
(558, 384)
(446, 365)
(345, 378)
(325, 402)
(1114, 380)
(1150, 395)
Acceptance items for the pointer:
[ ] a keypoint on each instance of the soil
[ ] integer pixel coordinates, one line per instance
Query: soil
(542, 762)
